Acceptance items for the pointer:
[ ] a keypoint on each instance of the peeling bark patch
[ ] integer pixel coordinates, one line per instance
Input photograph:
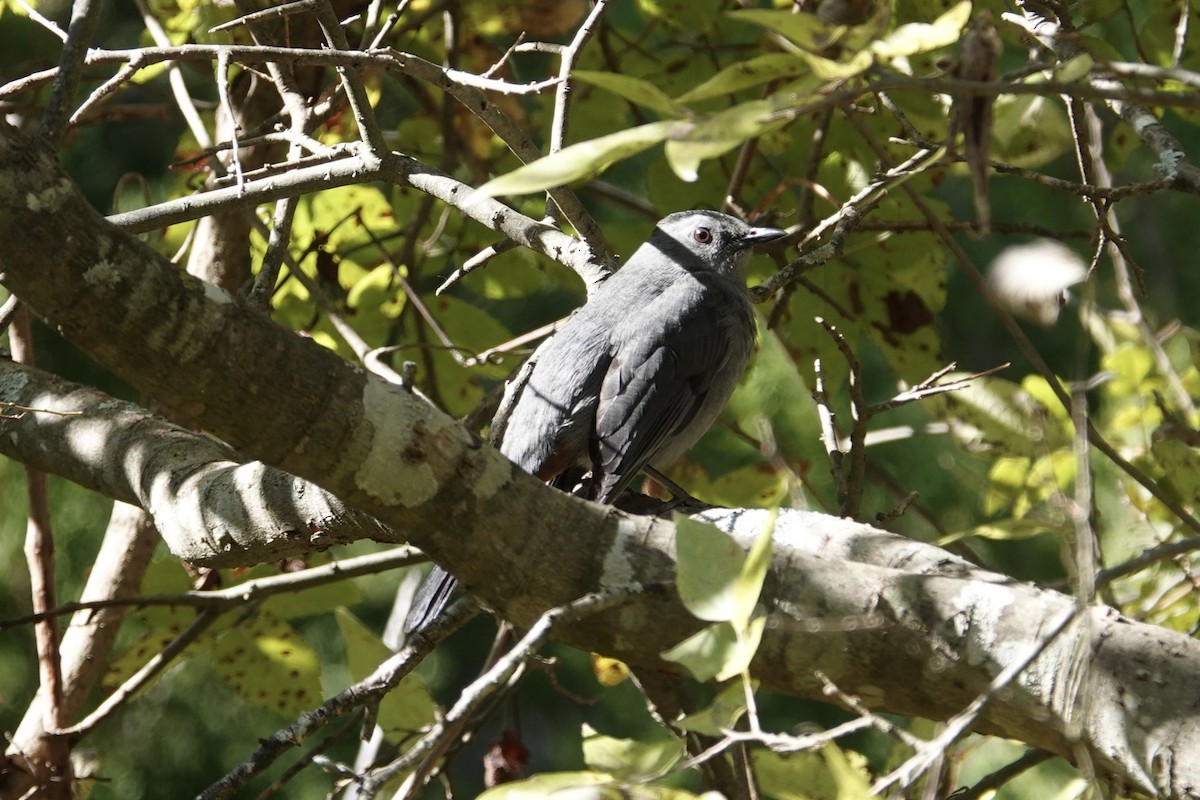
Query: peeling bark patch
(50, 199)
(394, 436)
(104, 273)
(215, 294)
(495, 472)
(619, 564)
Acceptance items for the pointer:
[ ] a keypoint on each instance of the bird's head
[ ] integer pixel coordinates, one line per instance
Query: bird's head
(709, 241)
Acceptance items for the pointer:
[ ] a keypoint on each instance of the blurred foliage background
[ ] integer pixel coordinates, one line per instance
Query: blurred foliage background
(990, 466)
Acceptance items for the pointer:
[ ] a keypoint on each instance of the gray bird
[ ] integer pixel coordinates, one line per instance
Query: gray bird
(639, 373)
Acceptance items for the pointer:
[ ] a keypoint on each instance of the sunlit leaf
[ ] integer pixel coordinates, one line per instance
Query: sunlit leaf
(920, 37)
(609, 671)
(830, 70)
(629, 759)
(407, 707)
(717, 652)
(752, 72)
(709, 564)
(717, 134)
(586, 786)
(1003, 416)
(1028, 130)
(805, 30)
(267, 662)
(636, 90)
(753, 573)
(827, 773)
(167, 623)
(582, 160)
(721, 714)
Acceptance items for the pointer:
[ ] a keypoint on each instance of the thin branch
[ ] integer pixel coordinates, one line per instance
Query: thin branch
(361, 167)
(8, 312)
(277, 252)
(356, 91)
(829, 434)
(851, 490)
(910, 770)
(507, 669)
(1127, 102)
(567, 56)
(847, 218)
(142, 677)
(366, 692)
(85, 16)
(237, 596)
(987, 785)
(1030, 352)
(52, 763)
(931, 386)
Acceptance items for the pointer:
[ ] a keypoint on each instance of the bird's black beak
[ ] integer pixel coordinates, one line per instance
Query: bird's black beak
(760, 236)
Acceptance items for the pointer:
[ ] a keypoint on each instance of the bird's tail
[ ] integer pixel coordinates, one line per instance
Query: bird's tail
(432, 596)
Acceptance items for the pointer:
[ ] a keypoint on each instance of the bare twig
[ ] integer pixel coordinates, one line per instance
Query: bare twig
(85, 16)
(1010, 325)
(850, 492)
(366, 692)
(273, 259)
(829, 434)
(237, 596)
(139, 679)
(507, 670)
(52, 762)
(931, 386)
(847, 218)
(1130, 106)
(928, 751)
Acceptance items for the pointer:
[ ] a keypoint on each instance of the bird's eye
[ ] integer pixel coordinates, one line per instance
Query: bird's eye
(702, 235)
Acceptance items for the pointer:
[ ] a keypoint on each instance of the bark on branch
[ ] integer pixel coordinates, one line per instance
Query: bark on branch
(905, 626)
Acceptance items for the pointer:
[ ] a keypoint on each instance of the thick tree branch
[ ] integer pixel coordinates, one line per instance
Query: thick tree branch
(914, 629)
(209, 505)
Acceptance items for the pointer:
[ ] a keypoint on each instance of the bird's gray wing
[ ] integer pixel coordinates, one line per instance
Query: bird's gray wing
(663, 368)
(552, 418)
(547, 431)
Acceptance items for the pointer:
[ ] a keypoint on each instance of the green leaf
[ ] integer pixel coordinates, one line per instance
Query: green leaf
(1001, 415)
(706, 653)
(920, 37)
(1029, 131)
(472, 330)
(717, 134)
(404, 709)
(166, 623)
(774, 391)
(750, 578)
(849, 771)
(550, 784)
(586, 786)
(1074, 69)
(828, 774)
(752, 72)
(267, 662)
(721, 715)
(635, 90)
(582, 160)
(805, 30)
(829, 70)
(710, 563)
(717, 652)
(629, 759)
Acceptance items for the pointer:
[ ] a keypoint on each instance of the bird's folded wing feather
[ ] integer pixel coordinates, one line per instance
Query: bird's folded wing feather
(657, 382)
(552, 418)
